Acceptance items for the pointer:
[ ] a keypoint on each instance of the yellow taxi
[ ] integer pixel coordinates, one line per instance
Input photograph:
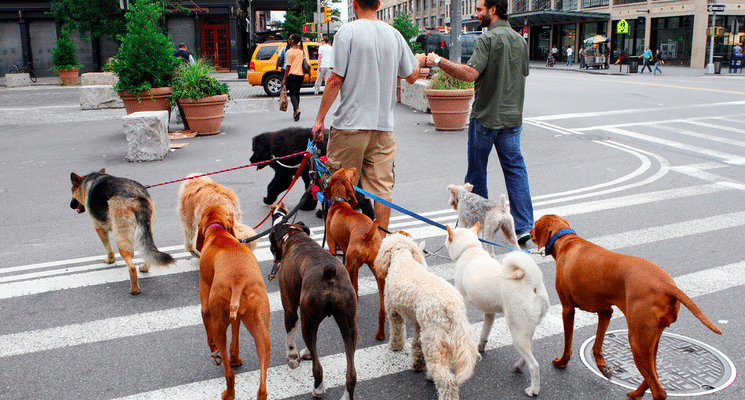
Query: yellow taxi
(263, 70)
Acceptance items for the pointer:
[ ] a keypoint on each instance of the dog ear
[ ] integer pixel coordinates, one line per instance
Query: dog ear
(350, 193)
(200, 239)
(476, 227)
(383, 259)
(75, 179)
(419, 255)
(102, 171)
(304, 227)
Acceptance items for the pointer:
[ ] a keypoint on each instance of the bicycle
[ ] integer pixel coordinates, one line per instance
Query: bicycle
(19, 68)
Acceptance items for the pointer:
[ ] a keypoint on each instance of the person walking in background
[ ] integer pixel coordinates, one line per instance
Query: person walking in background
(581, 53)
(569, 52)
(657, 60)
(555, 53)
(325, 63)
(498, 68)
(369, 56)
(282, 63)
(647, 57)
(183, 53)
(293, 78)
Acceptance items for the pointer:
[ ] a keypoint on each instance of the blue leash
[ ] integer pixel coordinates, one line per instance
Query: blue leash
(415, 215)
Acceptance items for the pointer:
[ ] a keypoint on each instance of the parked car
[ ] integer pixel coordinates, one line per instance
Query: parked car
(439, 43)
(263, 71)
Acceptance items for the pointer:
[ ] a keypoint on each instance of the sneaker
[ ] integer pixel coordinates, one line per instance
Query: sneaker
(523, 237)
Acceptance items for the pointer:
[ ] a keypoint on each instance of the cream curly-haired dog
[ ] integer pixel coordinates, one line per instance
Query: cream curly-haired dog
(195, 195)
(442, 336)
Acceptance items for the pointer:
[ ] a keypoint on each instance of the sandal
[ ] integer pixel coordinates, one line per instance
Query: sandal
(297, 115)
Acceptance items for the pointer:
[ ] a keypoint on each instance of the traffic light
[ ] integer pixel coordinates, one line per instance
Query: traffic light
(326, 14)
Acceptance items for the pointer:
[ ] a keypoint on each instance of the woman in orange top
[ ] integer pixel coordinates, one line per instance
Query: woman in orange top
(293, 78)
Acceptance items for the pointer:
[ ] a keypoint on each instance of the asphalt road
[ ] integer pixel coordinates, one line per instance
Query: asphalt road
(651, 166)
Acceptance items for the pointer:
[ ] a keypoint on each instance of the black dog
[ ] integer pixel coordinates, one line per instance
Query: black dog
(284, 142)
(311, 279)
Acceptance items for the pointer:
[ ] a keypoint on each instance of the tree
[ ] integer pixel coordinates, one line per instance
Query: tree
(97, 17)
(301, 12)
(408, 30)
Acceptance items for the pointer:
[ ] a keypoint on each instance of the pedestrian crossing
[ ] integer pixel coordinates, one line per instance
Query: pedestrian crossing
(635, 189)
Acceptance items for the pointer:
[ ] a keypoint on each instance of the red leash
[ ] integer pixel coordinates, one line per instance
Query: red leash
(307, 154)
(294, 179)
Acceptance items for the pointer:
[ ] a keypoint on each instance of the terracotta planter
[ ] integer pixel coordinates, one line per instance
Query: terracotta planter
(68, 76)
(155, 99)
(204, 115)
(449, 108)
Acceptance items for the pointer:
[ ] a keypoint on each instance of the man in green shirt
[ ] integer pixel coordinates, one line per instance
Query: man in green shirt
(498, 69)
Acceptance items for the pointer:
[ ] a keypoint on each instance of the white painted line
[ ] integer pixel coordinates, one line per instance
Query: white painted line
(638, 111)
(699, 135)
(378, 361)
(716, 127)
(726, 157)
(133, 325)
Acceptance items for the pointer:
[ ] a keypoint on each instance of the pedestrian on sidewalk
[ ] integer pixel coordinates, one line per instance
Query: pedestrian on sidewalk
(293, 78)
(185, 54)
(369, 56)
(555, 53)
(647, 57)
(498, 68)
(569, 53)
(657, 60)
(325, 63)
(582, 63)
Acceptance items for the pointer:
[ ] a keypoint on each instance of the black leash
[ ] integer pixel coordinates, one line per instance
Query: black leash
(282, 221)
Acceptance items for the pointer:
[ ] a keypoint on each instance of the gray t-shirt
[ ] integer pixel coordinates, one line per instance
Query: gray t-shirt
(369, 55)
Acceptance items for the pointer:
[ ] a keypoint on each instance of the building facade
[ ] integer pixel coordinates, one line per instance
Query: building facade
(679, 28)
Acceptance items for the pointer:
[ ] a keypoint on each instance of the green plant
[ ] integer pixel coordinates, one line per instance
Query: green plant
(145, 58)
(408, 30)
(196, 81)
(442, 81)
(65, 55)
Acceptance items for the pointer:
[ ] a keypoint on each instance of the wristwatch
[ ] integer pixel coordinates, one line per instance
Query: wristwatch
(437, 60)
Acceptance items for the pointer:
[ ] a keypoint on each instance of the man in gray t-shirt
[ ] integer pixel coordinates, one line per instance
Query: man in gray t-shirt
(369, 56)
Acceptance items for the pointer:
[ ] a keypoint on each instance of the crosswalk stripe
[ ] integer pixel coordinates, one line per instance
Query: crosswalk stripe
(378, 361)
(156, 321)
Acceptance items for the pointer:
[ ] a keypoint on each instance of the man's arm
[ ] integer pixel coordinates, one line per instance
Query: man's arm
(422, 61)
(329, 95)
(461, 72)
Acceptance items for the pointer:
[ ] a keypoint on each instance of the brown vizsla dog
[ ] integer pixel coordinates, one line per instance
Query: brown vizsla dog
(593, 279)
(231, 290)
(354, 233)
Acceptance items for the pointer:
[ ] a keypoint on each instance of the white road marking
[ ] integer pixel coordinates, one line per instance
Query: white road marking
(378, 361)
(156, 321)
(639, 111)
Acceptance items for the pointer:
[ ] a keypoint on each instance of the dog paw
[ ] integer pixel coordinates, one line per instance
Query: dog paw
(530, 391)
(269, 201)
(606, 371)
(216, 358)
(110, 258)
(560, 362)
(145, 267)
(319, 391)
(134, 291)
(236, 362)
(418, 365)
(305, 354)
(482, 347)
(293, 361)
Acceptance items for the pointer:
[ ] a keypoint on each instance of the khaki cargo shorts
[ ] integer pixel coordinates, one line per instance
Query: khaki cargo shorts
(371, 152)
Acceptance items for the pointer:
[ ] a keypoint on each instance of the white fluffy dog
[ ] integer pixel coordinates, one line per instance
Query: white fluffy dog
(442, 335)
(494, 216)
(195, 195)
(515, 289)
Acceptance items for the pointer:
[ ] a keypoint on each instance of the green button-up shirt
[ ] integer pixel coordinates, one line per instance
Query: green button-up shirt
(501, 57)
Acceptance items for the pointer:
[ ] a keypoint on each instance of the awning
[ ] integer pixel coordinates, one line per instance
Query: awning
(547, 17)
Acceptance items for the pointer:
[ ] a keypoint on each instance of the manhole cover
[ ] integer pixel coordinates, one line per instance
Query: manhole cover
(685, 366)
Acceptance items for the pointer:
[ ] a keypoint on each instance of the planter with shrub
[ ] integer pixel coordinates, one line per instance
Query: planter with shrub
(449, 101)
(145, 63)
(200, 97)
(64, 59)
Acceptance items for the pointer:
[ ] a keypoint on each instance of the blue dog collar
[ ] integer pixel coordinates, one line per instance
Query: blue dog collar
(555, 237)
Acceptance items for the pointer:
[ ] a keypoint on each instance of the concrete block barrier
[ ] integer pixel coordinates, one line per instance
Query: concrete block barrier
(98, 97)
(147, 135)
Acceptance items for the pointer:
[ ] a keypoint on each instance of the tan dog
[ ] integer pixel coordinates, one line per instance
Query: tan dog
(354, 233)
(231, 290)
(593, 279)
(195, 195)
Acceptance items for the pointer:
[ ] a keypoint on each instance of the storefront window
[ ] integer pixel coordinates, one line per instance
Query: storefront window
(673, 36)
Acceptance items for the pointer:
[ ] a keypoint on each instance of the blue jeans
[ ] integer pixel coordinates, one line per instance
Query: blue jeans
(646, 65)
(657, 67)
(507, 144)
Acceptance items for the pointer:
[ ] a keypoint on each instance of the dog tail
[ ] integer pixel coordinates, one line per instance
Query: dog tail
(373, 230)
(150, 253)
(693, 308)
(464, 350)
(235, 298)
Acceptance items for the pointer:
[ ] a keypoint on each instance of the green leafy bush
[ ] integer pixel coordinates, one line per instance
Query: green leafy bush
(408, 30)
(442, 81)
(65, 54)
(195, 81)
(145, 58)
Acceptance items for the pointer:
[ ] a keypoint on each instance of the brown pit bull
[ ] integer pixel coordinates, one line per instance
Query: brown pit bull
(593, 279)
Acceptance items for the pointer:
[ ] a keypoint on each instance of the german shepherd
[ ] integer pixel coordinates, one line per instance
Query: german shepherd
(123, 206)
